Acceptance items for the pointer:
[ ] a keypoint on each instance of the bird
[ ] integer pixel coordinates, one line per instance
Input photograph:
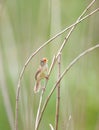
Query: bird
(42, 72)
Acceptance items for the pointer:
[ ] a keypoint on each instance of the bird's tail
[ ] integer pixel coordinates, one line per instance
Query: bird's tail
(37, 87)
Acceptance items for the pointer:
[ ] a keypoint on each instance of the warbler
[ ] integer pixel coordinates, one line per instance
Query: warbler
(42, 72)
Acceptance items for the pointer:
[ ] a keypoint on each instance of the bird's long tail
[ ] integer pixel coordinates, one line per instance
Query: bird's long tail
(37, 87)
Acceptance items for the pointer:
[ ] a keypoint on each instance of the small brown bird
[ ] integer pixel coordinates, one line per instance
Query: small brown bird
(41, 74)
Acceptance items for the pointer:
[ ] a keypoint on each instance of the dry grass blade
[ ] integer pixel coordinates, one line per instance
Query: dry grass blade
(58, 95)
(39, 108)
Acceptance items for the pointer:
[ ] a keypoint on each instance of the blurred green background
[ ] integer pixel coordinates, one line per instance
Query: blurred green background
(24, 26)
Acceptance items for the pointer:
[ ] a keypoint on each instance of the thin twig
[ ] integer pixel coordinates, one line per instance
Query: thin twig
(39, 108)
(58, 94)
(50, 69)
(61, 77)
(52, 65)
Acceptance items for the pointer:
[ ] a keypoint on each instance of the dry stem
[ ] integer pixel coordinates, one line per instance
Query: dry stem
(39, 108)
(58, 95)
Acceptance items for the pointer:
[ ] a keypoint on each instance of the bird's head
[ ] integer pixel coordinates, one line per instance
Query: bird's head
(43, 61)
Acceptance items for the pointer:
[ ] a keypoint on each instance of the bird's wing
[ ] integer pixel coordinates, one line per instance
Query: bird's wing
(38, 71)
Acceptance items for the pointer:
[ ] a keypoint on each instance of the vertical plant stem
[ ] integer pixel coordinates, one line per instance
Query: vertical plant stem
(58, 94)
(16, 110)
(39, 108)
